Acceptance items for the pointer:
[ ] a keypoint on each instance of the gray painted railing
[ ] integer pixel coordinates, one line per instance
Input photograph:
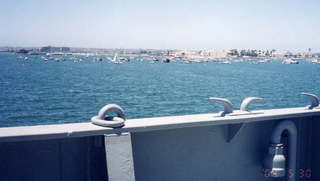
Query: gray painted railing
(149, 124)
(120, 158)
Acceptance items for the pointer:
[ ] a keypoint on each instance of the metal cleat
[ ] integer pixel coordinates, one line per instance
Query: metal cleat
(314, 100)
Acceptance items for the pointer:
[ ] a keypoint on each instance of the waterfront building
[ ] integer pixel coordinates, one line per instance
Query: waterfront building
(54, 49)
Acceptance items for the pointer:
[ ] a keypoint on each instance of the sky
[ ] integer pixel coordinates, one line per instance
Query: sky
(162, 24)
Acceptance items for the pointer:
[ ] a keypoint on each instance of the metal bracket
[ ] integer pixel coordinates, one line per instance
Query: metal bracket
(314, 100)
(108, 121)
(233, 129)
(119, 157)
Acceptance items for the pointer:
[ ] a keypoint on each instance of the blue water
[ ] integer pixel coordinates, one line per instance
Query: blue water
(36, 92)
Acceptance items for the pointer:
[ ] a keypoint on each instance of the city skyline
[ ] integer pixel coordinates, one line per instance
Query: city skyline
(286, 25)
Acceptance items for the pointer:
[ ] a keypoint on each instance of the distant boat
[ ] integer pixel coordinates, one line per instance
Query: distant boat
(167, 60)
(115, 59)
(98, 59)
(315, 60)
(226, 62)
(155, 59)
(290, 61)
(123, 59)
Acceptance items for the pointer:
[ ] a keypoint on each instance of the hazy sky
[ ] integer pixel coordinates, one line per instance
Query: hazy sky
(182, 24)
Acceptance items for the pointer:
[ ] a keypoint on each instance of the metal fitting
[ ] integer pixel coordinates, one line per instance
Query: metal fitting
(314, 100)
(228, 108)
(102, 119)
(247, 101)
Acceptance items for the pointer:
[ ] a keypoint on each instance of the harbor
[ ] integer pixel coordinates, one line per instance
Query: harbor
(71, 91)
(159, 90)
(119, 56)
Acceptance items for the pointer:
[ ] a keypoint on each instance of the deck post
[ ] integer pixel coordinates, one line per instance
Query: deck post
(119, 157)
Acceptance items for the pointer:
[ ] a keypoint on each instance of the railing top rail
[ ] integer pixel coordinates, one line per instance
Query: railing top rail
(41, 132)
